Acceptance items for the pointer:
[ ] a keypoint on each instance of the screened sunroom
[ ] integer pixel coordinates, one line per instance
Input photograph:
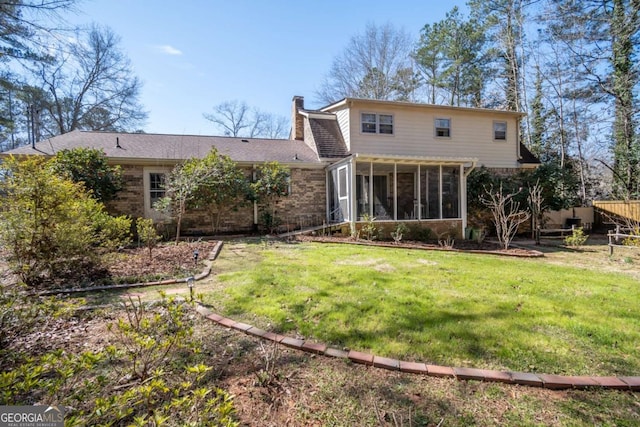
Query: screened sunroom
(387, 188)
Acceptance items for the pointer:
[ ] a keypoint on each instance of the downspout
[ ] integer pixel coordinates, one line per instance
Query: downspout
(419, 195)
(518, 153)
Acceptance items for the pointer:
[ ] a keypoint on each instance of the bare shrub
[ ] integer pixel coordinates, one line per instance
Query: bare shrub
(507, 215)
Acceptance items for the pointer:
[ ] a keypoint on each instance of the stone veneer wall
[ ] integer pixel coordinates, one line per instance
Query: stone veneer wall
(129, 201)
(305, 206)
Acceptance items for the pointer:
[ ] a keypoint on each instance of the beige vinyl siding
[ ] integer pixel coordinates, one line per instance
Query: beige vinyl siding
(343, 122)
(414, 135)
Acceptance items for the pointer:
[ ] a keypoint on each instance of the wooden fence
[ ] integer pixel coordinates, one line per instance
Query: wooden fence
(605, 210)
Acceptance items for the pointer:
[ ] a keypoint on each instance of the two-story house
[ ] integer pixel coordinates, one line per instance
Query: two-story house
(392, 161)
(402, 161)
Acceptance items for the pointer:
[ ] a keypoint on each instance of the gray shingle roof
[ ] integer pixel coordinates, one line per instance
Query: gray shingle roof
(143, 146)
(328, 138)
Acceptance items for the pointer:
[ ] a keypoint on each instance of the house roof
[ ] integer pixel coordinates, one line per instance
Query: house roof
(527, 157)
(347, 101)
(328, 138)
(130, 147)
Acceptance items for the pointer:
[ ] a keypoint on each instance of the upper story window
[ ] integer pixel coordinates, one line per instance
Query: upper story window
(500, 130)
(377, 123)
(443, 127)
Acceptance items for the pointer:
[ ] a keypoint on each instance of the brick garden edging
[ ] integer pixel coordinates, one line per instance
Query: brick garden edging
(552, 382)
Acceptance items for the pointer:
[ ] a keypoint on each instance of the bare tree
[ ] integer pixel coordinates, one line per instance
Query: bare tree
(276, 127)
(373, 65)
(537, 208)
(237, 119)
(91, 87)
(507, 215)
(231, 116)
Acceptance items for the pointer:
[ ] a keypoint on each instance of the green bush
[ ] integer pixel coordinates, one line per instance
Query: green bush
(148, 335)
(270, 221)
(111, 232)
(89, 166)
(577, 238)
(48, 223)
(399, 232)
(147, 233)
(270, 186)
(369, 229)
(419, 233)
(632, 241)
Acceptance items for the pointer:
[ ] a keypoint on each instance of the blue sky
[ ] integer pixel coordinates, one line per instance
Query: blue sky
(194, 54)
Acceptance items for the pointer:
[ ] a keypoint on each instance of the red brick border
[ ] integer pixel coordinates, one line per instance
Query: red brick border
(548, 381)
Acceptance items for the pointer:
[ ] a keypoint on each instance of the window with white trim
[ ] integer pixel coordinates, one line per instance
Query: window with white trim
(377, 123)
(500, 131)
(443, 127)
(385, 124)
(156, 187)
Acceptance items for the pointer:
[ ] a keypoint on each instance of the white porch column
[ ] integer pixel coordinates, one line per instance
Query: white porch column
(353, 201)
(395, 191)
(464, 203)
(463, 199)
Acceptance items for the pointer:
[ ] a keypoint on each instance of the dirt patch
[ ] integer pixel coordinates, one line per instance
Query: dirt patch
(372, 263)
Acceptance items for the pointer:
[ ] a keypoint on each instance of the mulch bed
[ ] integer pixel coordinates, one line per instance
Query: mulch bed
(135, 265)
(166, 260)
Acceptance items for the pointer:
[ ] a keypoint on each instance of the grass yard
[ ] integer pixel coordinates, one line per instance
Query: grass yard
(437, 307)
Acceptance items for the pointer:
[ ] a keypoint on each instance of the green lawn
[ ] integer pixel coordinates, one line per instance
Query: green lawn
(437, 307)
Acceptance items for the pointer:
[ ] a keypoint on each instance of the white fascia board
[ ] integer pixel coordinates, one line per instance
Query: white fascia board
(415, 159)
(321, 116)
(391, 104)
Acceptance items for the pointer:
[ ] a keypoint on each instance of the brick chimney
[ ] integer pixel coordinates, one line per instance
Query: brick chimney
(297, 121)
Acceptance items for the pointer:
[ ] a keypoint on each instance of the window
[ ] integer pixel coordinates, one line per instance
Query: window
(386, 124)
(500, 130)
(156, 187)
(369, 123)
(377, 123)
(443, 128)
